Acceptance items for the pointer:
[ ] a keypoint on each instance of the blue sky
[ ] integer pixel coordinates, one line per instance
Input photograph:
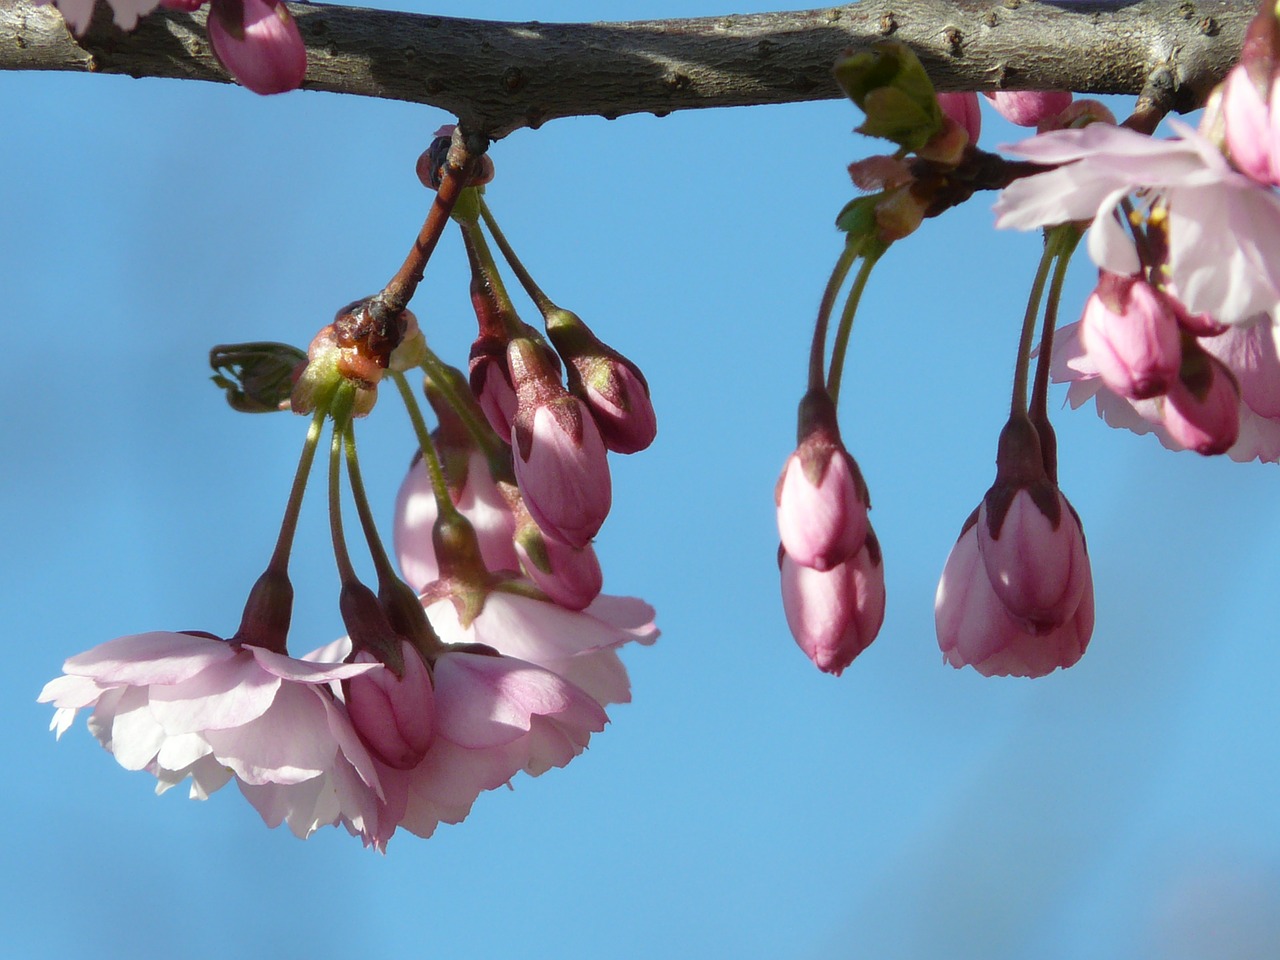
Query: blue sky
(744, 804)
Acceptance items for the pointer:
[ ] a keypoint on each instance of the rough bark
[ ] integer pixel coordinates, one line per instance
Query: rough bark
(498, 77)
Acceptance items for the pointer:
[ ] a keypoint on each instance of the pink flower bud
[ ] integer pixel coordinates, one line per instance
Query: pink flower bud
(394, 716)
(1031, 543)
(258, 43)
(570, 576)
(1028, 108)
(1131, 335)
(491, 383)
(1202, 407)
(1035, 559)
(1246, 117)
(835, 614)
(612, 387)
(821, 498)
(560, 458)
(1080, 113)
(975, 629)
(964, 110)
(479, 500)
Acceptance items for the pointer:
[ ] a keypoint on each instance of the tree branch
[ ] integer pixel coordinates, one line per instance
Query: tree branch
(499, 77)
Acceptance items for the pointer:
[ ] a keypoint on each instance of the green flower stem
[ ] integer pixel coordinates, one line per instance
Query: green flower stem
(841, 343)
(817, 349)
(1018, 403)
(346, 572)
(1067, 237)
(381, 563)
(289, 525)
(488, 442)
(535, 293)
(439, 486)
(483, 261)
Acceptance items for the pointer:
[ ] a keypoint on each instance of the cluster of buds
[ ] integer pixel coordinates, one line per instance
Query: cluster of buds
(1145, 346)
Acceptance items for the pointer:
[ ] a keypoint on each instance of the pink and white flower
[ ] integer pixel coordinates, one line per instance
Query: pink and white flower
(1249, 352)
(184, 705)
(1223, 229)
(478, 499)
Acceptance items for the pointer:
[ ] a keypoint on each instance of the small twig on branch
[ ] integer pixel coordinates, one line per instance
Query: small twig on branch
(498, 77)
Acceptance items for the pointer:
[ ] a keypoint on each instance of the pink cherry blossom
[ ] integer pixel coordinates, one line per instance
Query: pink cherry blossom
(835, 614)
(579, 645)
(1250, 127)
(1035, 559)
(963, 108)
(570, 576)
(1029, 108)
(478, 499)
(394, 716)
(78, 13)
(975, 628)
(1223, 228)
(181, 705)
(1251, 344)
(1205, 419)
(1131, 333)
(259, 44)
(493, 716)
(822, 505)
(560, 458)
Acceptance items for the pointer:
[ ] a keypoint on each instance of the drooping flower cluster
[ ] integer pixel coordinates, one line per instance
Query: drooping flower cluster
(448, 685)
(257, 41)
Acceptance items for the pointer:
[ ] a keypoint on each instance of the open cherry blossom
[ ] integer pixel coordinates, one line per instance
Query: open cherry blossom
(1223, 228)
(182, 705)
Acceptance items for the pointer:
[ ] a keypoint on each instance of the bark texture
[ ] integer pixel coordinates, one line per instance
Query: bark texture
(498, 77)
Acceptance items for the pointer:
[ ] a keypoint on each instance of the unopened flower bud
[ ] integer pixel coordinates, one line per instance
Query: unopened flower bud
(964, 110)
(394, 713)
(1131, 335)
(560, 457)
(890, 85)
(1031, 543)
(570, 576)
(835, 614)
(975, 629)
(258, 43)
(1202, 407)
(1028, 108)
(257, 377)
(612, 387)
(1079, 113)
(821, 498)
(490, 379)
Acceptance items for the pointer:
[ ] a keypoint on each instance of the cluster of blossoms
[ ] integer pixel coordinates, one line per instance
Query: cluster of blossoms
(1178, 339)
(1016, 596)
(495, 653)
(256, 41)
